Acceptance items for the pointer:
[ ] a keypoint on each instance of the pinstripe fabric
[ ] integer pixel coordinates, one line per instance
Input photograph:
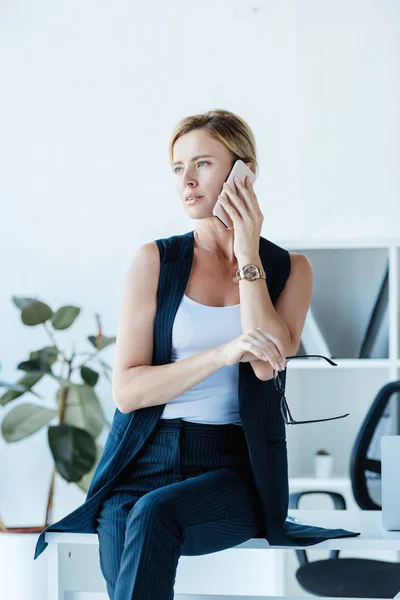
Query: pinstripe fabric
(191, 492)
(263, 426)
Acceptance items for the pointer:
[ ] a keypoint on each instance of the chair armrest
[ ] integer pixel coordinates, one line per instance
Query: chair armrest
(339, 504)
(338, 500)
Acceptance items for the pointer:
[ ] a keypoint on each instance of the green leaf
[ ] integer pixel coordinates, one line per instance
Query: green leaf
(101, 342)
(26, 382)
(13, 386)
(36, 313)
(73, 450)
(24, 420)
(89, 376)
(48, 354)
(21, 301)
(65, 316)
(83, 408)
(86, 480)
(40, 361)
(35, 366)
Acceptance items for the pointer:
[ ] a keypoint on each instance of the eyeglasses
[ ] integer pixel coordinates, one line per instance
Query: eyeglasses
(286, 414)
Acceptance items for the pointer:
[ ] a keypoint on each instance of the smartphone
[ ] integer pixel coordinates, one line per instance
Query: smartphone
(239, 170)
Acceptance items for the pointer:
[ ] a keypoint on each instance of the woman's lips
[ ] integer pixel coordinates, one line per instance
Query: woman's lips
(193, 201)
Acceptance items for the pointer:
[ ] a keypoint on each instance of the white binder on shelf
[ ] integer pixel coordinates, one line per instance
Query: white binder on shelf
(376, 339)
(312, 339)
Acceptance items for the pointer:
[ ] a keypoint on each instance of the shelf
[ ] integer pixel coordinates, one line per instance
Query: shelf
(343, 363)
(312, 483)
(338, 243)
(354, 312)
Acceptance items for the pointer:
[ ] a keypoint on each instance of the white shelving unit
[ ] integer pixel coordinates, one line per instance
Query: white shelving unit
(347, 277)
(346, 280)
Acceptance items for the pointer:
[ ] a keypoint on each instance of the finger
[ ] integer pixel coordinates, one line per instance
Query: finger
(274, 358)
(246, 198)
(267, 352)
(255, 349)
(275, 340)
(249, 187)
(232, 212)
(272, 349)
(273, 361)
(236, 201)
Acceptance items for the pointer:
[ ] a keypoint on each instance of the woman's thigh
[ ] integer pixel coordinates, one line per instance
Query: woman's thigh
(215, 510)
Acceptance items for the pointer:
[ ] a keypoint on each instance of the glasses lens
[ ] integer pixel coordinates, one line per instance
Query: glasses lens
(277, 381)
(285, 410)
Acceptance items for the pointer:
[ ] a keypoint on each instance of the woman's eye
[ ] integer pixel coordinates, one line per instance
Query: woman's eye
(207, 162)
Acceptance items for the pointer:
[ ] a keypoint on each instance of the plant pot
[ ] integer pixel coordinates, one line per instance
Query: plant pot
(22, 577)
(323, 466)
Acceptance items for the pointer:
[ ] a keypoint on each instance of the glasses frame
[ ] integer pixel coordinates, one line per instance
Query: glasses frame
(284, 407)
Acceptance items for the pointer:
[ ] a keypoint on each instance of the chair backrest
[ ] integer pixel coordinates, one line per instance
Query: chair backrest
(365, 463)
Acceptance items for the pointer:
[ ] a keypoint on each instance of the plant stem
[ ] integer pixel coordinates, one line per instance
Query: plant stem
(2, 526)
(53, 339)
(91, 354)
(62, 404)
(49, 507)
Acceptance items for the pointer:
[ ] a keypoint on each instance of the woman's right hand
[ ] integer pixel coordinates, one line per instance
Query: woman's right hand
(256, 344)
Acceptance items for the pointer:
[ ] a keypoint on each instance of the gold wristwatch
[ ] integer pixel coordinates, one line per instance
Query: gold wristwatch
(250, 272)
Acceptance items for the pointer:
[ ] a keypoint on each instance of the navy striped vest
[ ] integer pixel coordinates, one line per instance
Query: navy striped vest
(259, 410)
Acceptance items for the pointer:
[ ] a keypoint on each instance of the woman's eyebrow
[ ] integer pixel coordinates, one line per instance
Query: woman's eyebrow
(179, 162)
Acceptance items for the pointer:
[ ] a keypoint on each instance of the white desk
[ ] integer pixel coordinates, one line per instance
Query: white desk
(74, 571)
(367, 522)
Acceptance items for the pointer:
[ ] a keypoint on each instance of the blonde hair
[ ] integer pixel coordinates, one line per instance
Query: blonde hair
(226, 127)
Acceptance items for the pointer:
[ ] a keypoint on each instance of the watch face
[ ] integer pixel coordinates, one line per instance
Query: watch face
(250, 272)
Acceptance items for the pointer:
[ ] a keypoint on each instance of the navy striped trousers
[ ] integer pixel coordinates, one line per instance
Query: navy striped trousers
(191, 492)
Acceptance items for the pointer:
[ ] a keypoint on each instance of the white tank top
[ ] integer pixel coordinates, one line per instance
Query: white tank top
(198, 327)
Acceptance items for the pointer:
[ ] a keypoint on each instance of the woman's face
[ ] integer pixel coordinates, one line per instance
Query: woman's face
(200, 166)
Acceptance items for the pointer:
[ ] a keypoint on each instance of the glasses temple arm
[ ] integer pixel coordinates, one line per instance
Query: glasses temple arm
(330, 361)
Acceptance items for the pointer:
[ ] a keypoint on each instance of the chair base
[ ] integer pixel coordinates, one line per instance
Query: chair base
(350, 578)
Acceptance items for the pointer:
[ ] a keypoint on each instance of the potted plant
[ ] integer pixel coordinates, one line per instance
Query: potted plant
(323, 464)
(73, 426)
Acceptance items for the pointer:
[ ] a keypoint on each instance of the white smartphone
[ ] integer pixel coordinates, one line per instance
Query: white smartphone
(239, 170)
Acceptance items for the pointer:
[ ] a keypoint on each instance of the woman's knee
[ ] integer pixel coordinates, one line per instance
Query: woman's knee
(156, 508)
(153, 505)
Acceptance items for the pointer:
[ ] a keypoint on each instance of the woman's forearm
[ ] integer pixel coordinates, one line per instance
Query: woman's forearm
(151, 385)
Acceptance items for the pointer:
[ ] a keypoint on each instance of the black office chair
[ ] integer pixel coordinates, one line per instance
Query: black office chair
(354, 577)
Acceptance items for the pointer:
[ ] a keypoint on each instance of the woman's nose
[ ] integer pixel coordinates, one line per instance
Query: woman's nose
(188, 178)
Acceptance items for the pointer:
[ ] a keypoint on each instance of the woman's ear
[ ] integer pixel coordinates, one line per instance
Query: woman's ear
(250, 165)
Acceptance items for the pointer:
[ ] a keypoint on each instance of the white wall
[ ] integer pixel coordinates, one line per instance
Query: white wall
(90, 94)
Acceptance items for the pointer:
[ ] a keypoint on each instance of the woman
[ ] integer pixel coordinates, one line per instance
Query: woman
(191, 488)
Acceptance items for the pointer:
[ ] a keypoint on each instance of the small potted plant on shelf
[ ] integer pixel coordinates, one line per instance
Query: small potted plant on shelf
(323, 464)
(73, 426)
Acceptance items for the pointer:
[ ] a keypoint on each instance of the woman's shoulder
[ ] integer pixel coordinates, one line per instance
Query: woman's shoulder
(175, 246)
(272, 248)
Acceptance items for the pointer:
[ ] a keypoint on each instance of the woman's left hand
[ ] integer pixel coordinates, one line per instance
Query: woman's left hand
(243, 209)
